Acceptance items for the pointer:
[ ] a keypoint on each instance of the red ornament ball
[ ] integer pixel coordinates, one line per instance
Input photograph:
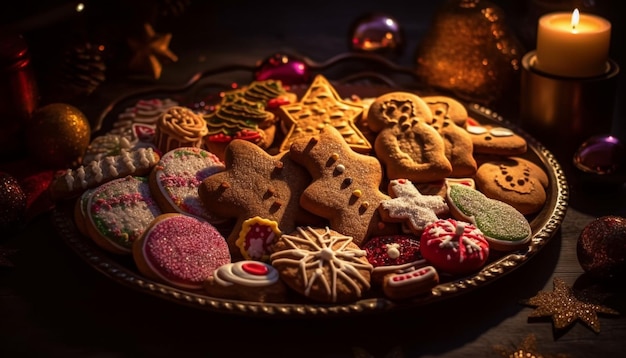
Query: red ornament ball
(601, 248)
(12, 203)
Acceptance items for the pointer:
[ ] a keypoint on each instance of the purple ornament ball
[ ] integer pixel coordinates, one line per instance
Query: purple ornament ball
(377, 32)
(601, 248)
(288, 69)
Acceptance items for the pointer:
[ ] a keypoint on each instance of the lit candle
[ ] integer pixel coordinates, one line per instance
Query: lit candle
(573, 45)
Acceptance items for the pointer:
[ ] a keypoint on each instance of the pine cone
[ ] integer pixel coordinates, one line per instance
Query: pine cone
(83, 69)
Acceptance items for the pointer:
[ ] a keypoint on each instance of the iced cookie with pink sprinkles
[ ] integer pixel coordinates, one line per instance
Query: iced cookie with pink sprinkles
(174, 181)
(118, 212)
(180, 250)
(247, 280)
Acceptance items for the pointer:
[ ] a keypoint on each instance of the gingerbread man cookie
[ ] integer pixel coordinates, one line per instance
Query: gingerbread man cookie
(255, 183)
(449, 117)
(406, 144)
(322, 106)
(345, 187)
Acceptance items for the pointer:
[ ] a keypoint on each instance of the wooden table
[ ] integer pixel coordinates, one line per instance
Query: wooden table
(52, 303)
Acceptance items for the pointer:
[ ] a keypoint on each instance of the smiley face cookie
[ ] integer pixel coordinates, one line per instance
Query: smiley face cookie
(407, 145)
(516, 181)
(345, 186)
(255, 183)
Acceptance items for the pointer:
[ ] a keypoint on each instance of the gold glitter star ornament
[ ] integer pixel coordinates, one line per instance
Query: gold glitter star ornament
(565, 306)
(149, 50)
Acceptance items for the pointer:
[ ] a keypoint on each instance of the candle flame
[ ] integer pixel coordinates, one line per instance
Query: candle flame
(575, 18)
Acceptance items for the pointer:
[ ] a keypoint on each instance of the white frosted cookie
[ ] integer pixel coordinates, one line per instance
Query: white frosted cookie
(118, 212)
(175, 179)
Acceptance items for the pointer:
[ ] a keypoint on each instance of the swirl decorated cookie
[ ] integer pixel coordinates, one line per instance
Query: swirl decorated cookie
(176, 178)
(180, 250)
(179, 126)
(322, 264)
(247, 280)
(504, 227)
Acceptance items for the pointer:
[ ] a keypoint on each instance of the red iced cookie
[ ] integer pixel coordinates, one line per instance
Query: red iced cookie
(455, 247)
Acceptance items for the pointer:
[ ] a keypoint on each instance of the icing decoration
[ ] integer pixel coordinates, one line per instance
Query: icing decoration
(180, 127)
(179, 174)
(323, 258)
(246, 273)
(426, 273)
(237, 117)
(390, 250)
(122, 209)
(257, 237)
(409, 204)
(97, 172)
(498, 221)
(184, 250)
(454, 246)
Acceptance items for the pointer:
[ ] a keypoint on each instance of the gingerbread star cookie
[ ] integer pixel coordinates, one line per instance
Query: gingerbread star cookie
(345, 186)
(322, 106)
(255, 184)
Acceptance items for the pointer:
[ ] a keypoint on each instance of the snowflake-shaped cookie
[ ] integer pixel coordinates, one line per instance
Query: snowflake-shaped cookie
(322, 264)
(409, 205)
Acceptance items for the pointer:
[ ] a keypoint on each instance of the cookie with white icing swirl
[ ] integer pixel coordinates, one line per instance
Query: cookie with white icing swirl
(322, 264)
(246, 280)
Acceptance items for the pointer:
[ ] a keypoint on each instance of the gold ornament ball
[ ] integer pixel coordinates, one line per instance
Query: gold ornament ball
(58, 135)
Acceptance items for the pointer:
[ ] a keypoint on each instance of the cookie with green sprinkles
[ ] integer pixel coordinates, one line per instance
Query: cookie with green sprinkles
(504, 227)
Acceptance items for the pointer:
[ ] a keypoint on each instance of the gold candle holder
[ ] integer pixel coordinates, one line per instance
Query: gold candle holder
(562, 112)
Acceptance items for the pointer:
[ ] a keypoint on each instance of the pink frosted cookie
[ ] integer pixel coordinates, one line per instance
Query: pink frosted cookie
(393, 253)
(408, 205)
(176, 177)
(247, 280)
(118, 212)
(180, 250)
(322, 264)
(455, 247)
